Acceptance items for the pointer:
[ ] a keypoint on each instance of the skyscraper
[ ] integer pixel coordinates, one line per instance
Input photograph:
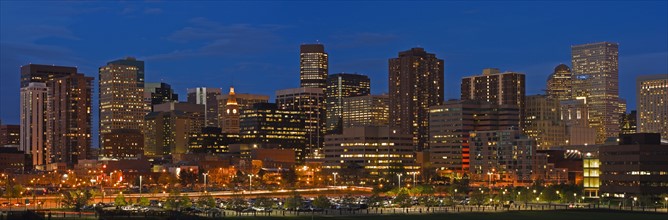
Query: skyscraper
(575, 115)
(313, 66)
(121, 100)
(158, 93)
(230, 119)
(652, 104)
(596, 78)
(43, 73)
(451, 124)
(504, 153)
(63, 135)
(243, 100)
(10, 135)
(267, 126)
(416, 83)
(169, 126)
(311, 102)
(364, 111)
(543, 122)
(340, 86)
(629, 123)
(560, 83)
(507, 88)
(206, 96)
(34, 122)
(69, 118)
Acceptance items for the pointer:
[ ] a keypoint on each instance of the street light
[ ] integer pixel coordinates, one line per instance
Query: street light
(414, 179)
(335, 173)
(205, 174)
(140, 179)
(399, 178)
(250, 183)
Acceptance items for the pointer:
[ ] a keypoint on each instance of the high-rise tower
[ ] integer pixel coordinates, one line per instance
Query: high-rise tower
(313, 66)
(596, 80)
(416, 83)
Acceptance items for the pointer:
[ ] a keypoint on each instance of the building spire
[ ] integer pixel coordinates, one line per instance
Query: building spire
(231, 98)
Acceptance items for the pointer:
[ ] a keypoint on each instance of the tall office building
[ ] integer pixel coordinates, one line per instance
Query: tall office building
(596, 78)
(123, 144)
(43, 73)
(67, 127)
(376, 150)
(313, 66)
(503, 156)
(507, 88)
(121, 100)
(451, 124)
(207, 97)
(311, 102)
(416, 83)
(34, 122)
(244, 101)
(230, 116)
(34, 109)
(69, 118)
(629, 123)
(575, 115)
(652, 104)
(211, 140)
(265, 125)
(169, 126)
(560, 83)
(340, 86)
(364, 111)
(158, 93)
(543, 121)
(10, 135)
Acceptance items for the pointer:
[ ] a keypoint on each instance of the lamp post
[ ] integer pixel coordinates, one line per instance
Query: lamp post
(399, 178)
(414, 179)
(250, 184)
(205, 174)
(335, 173)
(140, 179)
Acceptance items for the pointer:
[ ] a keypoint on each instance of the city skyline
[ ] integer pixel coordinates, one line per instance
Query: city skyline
(378, 108)
(264, 53)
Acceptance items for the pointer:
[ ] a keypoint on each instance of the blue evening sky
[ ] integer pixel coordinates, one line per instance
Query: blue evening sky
(255, 45)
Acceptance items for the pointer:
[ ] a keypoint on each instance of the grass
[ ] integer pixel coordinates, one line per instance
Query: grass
(521, 215)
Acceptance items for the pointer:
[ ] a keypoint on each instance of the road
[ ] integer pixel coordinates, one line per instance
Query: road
(52, 201)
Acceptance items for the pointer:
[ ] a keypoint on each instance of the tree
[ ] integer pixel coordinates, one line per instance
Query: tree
(236, 203)
(207, 201)
(175, 201)
(403, 199)
(166, 179)
(14, 191)
(289, 177)
(375, 200)
(322, 202)
(293, 202)
(477, 197)
(120, 200)
(187, 177)
(76, 199)
(263, 202)
(143, 201)
(549, 195)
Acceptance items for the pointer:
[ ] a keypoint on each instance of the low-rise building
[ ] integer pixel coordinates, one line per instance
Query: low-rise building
(637, 166)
